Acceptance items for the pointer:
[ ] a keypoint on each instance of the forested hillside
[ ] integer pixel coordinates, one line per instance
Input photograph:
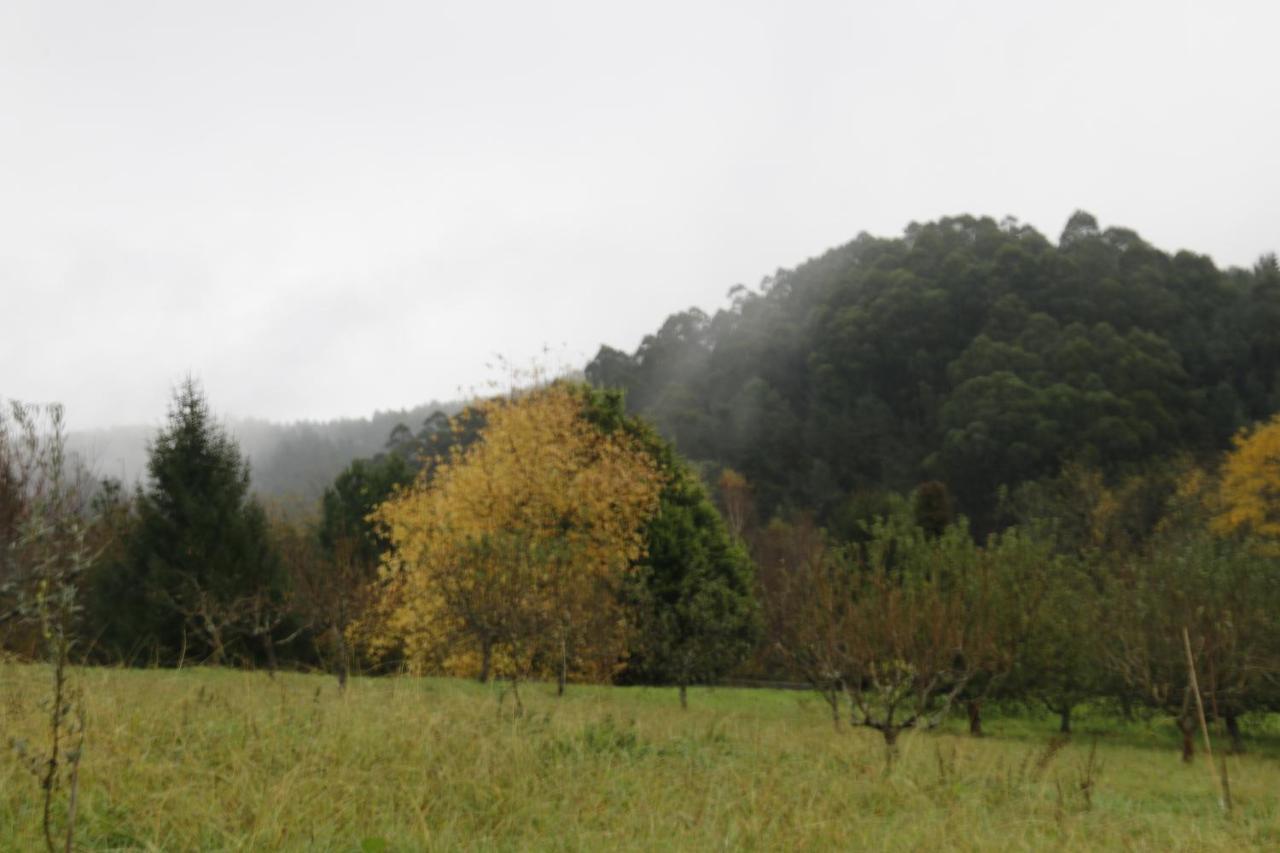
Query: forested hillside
(974, 352)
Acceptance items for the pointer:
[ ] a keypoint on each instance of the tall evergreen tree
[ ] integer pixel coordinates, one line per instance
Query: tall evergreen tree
(199, 568)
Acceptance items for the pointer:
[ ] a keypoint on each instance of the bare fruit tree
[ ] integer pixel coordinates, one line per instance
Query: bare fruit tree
(902, 624)
(46, 552)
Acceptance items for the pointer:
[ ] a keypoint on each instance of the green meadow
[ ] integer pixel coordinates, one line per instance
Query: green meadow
(214, 759)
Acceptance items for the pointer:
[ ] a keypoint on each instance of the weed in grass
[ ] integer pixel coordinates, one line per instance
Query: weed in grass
(604, 737)
(1047, 755)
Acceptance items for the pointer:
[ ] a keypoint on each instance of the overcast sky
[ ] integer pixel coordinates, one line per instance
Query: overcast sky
(323, 209)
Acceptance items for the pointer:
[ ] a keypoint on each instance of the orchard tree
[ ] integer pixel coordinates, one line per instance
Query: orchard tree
(1060, 663)
(920, 628)
(509, 555)
(807, 597)
(902, 624)
(1222, 591)
(1010, 583)
(1223, 594)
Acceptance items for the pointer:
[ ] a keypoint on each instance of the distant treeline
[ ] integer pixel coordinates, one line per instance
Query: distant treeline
(960, 466)
(288, 461)
(542, 533)
(967, 351)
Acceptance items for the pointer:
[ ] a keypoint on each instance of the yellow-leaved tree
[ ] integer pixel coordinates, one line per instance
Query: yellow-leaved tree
(1249, 491)
(508, 554)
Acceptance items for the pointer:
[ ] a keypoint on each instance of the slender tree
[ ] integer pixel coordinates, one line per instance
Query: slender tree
(47, 550)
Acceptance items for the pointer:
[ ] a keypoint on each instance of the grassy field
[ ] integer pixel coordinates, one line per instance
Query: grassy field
(226, 760)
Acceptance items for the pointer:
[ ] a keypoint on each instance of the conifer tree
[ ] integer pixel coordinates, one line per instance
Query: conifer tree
(199, 565)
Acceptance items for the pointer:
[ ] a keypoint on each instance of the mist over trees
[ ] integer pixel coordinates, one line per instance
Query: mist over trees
(957, 468)
(294, 460)
(968, 351)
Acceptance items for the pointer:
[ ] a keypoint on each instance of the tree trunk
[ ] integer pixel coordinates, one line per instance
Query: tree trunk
(1233, 732)
(486, 659)
(270, 644)
(1064, 720)
(1186, 725)
(344, 660)
(215, 638)
(890, 745)
(515, 694)
(563, 675)
(974, 707)
(684, 696)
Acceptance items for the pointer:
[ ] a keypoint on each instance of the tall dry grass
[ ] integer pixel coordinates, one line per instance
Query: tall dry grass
(225, 760)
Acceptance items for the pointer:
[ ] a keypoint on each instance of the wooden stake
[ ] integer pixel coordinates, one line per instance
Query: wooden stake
(1224, 795)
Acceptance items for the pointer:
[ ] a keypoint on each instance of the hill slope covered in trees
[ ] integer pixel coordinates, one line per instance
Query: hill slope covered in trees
(970, 351)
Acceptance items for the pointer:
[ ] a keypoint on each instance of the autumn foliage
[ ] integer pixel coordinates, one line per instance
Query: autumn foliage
(507, 556)
(1250, 485)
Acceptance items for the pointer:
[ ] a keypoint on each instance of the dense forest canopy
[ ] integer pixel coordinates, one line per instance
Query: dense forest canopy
(969, 351)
